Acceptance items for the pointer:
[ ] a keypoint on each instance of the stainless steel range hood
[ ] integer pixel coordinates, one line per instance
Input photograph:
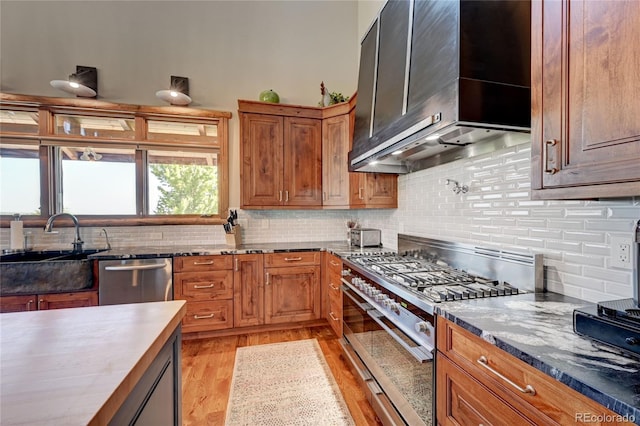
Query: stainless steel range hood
(464, 89)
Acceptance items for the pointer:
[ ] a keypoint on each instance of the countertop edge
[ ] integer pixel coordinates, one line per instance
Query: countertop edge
(554, 372)
(120, 394)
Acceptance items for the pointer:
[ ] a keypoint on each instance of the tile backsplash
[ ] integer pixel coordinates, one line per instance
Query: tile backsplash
(574, 236)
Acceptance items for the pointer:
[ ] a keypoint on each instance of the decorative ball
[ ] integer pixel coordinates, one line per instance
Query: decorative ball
(269, 96)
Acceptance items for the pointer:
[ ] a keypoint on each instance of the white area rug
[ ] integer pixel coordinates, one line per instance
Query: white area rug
(286, 383)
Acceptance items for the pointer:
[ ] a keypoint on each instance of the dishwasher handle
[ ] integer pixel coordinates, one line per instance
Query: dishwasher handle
(134, 267)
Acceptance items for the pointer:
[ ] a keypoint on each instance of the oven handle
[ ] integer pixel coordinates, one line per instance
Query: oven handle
(347, 292)
(417, 353)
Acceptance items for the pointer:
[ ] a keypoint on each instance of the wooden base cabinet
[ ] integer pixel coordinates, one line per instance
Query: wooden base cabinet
(478, 383)
(292, 287)
(206, 283)
(332, 294)
(35, 302)
(248, 290)
(585, 129)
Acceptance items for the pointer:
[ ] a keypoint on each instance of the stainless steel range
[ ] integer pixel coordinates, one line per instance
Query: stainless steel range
(388, 314)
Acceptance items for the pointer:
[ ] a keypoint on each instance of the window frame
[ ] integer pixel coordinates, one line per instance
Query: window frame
(46, 137)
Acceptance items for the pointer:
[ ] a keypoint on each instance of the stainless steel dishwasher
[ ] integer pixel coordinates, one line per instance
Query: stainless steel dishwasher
(134, 280)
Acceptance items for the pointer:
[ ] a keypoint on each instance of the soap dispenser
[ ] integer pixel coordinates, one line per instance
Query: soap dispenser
(17, 233)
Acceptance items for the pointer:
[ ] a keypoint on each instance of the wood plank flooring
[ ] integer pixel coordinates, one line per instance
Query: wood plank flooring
(207, 367)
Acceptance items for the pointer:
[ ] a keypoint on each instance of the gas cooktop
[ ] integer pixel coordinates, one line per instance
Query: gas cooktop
(438, 283)
(440, 271)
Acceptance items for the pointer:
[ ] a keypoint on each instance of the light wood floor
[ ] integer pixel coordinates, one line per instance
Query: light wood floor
(207, 367)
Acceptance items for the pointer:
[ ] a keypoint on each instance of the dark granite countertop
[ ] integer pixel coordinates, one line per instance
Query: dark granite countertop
(341, 248)
(538, 329)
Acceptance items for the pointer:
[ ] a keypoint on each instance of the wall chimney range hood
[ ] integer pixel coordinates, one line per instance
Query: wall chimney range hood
(442, 80)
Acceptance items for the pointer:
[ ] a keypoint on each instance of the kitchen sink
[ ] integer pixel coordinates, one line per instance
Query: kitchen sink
(46, 256)
(50, 271)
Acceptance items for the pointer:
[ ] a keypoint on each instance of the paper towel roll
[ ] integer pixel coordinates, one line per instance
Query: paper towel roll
(17, 235)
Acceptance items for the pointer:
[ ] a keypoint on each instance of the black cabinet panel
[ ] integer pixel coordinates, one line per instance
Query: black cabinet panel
(392, 59)
(366, 78)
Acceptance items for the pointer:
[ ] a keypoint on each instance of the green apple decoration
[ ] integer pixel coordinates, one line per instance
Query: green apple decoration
(269, 96)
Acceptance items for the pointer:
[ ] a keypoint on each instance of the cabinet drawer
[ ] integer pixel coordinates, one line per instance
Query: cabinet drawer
(202, 263)
(462, 400)
(291, 259)
(333, 286)
(334, 264)
(495, 368)
(203, 286)
(205, 316)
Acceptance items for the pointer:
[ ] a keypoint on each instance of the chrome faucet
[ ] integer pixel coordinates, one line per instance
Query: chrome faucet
(77, 242)
(106, 236)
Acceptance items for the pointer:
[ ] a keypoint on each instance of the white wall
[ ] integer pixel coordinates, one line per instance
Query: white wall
(229, 50)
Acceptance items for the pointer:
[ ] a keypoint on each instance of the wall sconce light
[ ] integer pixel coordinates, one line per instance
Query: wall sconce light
(457, 188)
(90, 154)
(83, 83)
(178, 93)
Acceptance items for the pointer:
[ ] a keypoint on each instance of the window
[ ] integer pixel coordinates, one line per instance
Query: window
(19, 179)
(97, 180)
(183, 183)
(112, 163)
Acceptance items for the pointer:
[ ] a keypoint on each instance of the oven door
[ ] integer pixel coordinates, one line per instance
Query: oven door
(403, 370)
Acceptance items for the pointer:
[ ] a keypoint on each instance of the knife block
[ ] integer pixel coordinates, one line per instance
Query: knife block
(235, 238)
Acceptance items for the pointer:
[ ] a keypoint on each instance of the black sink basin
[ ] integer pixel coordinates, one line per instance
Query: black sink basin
(50, 271)
(46, 256)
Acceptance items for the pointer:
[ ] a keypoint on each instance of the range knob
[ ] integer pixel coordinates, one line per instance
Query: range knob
(424, 327)
(395, 307)
(380, 297)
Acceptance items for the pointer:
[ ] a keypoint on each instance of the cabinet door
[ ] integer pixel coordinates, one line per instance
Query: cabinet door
(248, 290)
(585, 126)
(335, 150)
(462, 400)
(374, 190)
(302, 161)
(262, 162)
(68, 300)
(18, 303)
(292, 294)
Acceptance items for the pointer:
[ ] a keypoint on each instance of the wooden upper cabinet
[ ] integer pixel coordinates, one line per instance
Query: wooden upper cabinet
(262, 146)
(374, 190)
(302, 162)
(335, 150)
(297, 157)
(281, 160)
(585, 91)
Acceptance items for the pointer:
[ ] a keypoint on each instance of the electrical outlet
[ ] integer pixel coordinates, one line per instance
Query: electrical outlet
(620, 252)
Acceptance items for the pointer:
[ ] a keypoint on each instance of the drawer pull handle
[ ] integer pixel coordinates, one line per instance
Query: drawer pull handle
(267, 281)
(527, 389)
(334, 263)
(334, 287)
(210, 262)
(547, 144)
(237, 265)
(292, 259)
(203, 316)
(333, 316)
(203, 286)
